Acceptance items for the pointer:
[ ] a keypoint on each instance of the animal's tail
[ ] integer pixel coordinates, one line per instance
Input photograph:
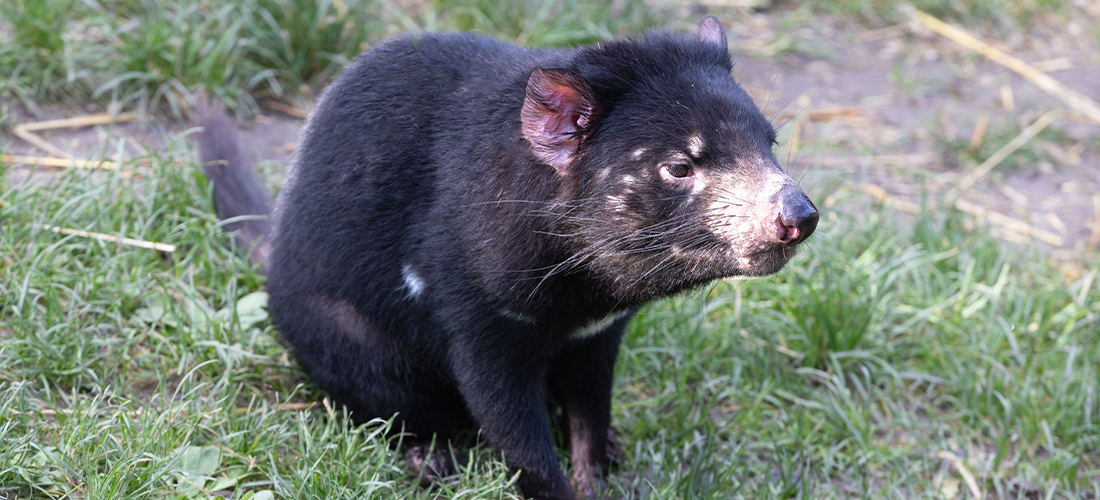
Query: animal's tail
(239, 197)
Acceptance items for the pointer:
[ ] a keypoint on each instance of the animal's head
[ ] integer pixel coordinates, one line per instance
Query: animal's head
(668, 166)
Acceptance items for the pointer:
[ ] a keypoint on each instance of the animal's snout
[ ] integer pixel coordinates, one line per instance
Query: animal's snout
(797, 216)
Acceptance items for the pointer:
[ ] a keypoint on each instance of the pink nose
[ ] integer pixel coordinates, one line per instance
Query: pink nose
(797, 217)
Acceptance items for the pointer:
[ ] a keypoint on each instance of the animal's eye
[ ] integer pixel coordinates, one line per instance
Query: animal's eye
(678, 169)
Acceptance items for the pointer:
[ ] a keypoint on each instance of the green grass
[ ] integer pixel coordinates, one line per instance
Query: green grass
(125, 372)
(154, 56)
(543, 22)
(167, 51)
(41, 54)
(305, 42)
(131, 373)
(932, 362)
(165, 381)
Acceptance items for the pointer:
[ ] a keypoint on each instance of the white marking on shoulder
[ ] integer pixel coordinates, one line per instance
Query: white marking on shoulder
(695, 145)
(598, 326)
(413, 282)
(515, 316)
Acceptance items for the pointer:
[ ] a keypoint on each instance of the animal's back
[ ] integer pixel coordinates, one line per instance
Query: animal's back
(367, 254)
(363, 193)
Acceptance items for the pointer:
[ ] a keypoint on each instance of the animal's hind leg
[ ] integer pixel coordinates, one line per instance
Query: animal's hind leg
(374, 375)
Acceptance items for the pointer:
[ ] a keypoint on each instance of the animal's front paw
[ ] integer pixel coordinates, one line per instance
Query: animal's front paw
(589, 483)
(429, 468)
(615, 453)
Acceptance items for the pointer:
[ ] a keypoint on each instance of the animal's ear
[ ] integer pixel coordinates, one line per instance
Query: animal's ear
(556, 115)
(711, 31)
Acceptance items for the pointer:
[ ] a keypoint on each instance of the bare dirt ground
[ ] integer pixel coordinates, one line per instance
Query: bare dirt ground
(893, 108)
(912, 101)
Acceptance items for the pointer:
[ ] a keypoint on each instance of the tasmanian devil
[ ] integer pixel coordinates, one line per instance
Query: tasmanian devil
(468, 227)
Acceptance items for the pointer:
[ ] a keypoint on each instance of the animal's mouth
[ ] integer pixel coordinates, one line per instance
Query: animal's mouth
(795, 219)
(767, 261)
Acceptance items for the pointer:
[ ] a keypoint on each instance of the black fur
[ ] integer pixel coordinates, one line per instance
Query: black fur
(469, 225)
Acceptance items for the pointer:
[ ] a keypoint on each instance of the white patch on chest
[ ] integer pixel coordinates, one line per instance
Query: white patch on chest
(413, 282)
(598, 326)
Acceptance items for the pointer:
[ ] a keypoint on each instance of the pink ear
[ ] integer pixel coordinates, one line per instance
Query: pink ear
(555, 115)
(712, 31)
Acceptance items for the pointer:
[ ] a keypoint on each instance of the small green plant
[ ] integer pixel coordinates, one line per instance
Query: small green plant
(840, 301)
(38, 24)
(168, 50)
(39, 62)
(305, 42)
(544, 22)
(830, 309)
